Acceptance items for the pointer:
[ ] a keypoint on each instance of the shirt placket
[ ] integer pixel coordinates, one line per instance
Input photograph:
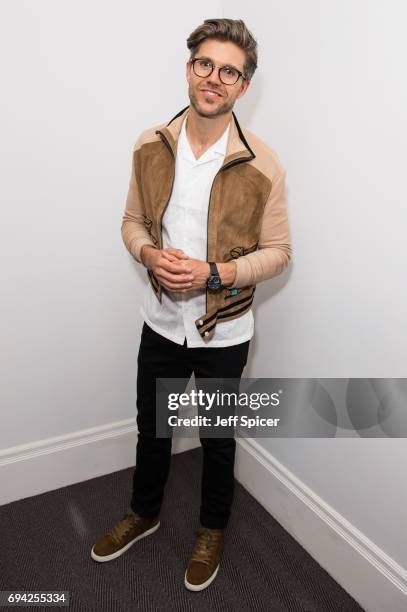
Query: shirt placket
(185, 298)
(191, 305)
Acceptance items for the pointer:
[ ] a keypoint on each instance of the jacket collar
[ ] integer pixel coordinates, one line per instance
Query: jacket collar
(237, 148)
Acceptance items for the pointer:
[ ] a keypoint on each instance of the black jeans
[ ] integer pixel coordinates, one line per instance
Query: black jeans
(161, 358)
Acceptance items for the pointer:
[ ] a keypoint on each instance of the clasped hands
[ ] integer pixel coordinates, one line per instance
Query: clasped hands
(176, 271)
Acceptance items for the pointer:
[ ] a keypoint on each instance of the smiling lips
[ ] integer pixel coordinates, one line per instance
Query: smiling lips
(210, 93)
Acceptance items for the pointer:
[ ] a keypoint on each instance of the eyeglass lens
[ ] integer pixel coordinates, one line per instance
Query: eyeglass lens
(227, 74)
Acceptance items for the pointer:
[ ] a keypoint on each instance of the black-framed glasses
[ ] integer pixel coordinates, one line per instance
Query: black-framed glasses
(229, 75)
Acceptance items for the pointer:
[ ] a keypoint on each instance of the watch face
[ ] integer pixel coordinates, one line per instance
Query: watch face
(214, 283)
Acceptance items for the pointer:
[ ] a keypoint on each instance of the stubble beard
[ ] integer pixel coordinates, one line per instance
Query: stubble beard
(222, 109)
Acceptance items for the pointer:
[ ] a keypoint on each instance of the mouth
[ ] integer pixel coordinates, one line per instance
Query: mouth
(211, 93)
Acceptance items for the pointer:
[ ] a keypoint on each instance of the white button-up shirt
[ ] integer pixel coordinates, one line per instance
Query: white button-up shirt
(184, 226)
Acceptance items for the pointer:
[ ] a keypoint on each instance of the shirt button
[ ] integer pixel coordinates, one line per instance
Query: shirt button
(206, 333)
(200, 322)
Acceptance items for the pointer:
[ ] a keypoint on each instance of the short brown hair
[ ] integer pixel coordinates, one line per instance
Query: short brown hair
(233, 30)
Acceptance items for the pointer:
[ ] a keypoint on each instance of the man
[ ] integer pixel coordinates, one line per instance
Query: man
(206, 215)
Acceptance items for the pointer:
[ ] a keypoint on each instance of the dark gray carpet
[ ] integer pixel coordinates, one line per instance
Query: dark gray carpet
(46, 541)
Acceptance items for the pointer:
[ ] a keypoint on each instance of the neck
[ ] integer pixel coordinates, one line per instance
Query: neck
(203, 132)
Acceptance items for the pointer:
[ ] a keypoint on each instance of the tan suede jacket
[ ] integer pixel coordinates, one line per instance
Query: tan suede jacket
(247, 216)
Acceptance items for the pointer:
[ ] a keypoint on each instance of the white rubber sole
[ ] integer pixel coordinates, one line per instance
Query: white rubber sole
(123, 550)
(200, 587)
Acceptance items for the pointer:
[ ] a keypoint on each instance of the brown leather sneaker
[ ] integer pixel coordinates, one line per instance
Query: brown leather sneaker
(131, 528)
(204, 563)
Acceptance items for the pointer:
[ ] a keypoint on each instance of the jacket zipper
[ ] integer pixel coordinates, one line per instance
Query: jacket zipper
(172, 186)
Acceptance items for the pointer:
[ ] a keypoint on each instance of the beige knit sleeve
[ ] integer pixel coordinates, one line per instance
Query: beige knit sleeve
(134, 232)
(274, 248)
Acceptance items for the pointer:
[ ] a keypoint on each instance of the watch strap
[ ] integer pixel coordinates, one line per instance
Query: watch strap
(213, 268)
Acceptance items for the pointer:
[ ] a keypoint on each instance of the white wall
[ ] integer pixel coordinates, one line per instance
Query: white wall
(330, 96)
(80, 81)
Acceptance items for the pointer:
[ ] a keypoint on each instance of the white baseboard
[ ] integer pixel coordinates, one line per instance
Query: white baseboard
(46, 465)
(375, 580)
(367, 573)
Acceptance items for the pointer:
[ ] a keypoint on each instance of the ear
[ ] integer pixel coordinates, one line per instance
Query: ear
(188, 71)
(243, 89)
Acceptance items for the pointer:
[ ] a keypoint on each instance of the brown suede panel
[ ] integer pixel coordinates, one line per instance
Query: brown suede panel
(236, 220)
(157, 168)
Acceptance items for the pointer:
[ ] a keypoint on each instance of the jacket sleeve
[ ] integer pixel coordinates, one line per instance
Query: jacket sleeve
(133, 230)
(274, 247)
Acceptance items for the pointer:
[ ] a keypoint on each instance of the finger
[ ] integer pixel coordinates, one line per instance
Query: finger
(174, 282)
(176, 286)
(178, 253)
(173, 278)
(169, 256)
(175, 267)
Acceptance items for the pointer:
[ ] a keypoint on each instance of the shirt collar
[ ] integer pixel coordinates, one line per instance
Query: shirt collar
(217, 149)
(238, 149)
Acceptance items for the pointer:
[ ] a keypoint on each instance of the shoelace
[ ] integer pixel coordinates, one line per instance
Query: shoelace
(205, 546)
(123, 527)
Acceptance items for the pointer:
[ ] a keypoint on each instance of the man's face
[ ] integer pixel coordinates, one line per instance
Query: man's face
(220, 53)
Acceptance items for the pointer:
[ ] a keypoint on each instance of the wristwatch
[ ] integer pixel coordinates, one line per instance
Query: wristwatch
(214, 282)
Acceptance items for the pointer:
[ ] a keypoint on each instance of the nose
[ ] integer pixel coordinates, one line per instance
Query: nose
(214, 79)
